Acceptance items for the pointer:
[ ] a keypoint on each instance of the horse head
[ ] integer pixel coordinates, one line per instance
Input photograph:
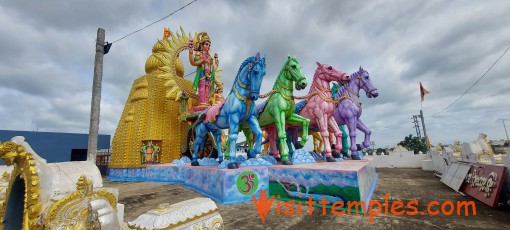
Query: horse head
(293, 73)
(256, 71)
(364, 83)
(331, 74)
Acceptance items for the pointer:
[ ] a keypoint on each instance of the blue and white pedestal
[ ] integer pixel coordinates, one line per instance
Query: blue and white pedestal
(348, 180)
(227, 186)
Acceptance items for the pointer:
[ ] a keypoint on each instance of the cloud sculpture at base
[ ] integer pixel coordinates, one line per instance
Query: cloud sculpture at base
(185, 159)
(240, 159)
(178, 162)
(255, 162)
(302, 157)
(224, 164)
(207, 162)
(269, 159)
(317, 156)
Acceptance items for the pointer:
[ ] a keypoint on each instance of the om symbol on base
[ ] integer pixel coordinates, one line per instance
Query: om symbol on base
(247, 183)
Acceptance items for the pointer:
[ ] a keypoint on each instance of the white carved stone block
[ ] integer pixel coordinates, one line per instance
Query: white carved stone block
(197, 213)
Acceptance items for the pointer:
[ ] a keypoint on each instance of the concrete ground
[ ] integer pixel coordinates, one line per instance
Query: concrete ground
(400, 184)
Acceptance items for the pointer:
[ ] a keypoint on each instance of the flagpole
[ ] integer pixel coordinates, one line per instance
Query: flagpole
(423, 91)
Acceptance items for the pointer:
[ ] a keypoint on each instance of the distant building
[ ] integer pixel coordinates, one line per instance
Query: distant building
(60, 147)
(242, 147)
(498, 143)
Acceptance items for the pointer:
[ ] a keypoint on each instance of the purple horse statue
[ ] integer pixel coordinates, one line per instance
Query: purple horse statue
(348, 110)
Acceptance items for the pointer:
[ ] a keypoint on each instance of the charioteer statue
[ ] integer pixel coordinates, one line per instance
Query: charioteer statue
(206, 69)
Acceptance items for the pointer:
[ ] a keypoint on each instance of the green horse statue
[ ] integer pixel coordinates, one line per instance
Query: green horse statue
(278, 110)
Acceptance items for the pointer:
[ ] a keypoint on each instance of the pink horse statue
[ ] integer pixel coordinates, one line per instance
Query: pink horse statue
(319, 107)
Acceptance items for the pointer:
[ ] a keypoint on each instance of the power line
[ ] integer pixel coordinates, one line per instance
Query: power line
(400, 124)
(445, 108)
(190, 73)
(396, 125)
(161, 19)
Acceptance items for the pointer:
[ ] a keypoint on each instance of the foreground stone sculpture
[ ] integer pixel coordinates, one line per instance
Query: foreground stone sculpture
(55, 195)
(198, 213)
(478, 151)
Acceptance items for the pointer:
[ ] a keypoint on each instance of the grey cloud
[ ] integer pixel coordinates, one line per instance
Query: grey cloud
(48, 54)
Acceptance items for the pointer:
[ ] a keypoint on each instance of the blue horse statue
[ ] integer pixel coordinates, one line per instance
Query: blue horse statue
(239, 107)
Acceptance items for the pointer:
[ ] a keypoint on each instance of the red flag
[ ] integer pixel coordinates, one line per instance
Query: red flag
(423, 92)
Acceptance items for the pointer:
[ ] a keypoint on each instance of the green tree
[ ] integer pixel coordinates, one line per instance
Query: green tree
(414, 143)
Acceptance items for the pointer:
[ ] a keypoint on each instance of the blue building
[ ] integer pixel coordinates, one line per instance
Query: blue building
(57, 147)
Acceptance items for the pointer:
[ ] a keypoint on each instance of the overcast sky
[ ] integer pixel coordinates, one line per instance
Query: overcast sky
(47, 56)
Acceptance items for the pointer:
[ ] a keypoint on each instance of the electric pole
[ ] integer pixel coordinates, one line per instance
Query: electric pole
(504, 126)
(96, 97)
(416, 125)
(423, 124)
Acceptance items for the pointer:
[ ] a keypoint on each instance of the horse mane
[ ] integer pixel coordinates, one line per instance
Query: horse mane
(314, 77)
(341, 89)
(283, 67)
(243, 65)
(281, 71)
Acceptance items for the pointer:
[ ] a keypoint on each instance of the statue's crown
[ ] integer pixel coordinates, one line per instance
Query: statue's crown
(203, 37)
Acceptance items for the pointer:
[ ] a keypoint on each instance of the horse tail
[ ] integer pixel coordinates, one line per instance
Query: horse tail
(265, 141)
(200, 118)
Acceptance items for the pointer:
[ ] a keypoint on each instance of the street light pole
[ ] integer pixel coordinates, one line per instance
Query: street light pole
(96, 97)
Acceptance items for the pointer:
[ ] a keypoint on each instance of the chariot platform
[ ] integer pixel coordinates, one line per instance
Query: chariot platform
(345, 181)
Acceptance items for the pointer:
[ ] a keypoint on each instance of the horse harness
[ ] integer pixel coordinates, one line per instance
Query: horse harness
(346, 96)
(323, 97)
(291, 98)
(245, 99)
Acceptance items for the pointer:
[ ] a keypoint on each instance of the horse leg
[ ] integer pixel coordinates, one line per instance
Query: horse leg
(333, 127)
(321, 143)
(361, 126)
(227, 149)
(291, 140)
(322, 122)
(345, 142)
(265, 142)
(315, 143)
(257, 132)
(295, 119)
(248, 133)
(217, 137)
(233, 129)
(317, 137)
(200, 132)
(351, 125)
(279, 121)
(271, 131)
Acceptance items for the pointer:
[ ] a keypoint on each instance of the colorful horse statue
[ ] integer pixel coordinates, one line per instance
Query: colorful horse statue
(278, 110)
(238, 107)
(319, 107)
(348, 109)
